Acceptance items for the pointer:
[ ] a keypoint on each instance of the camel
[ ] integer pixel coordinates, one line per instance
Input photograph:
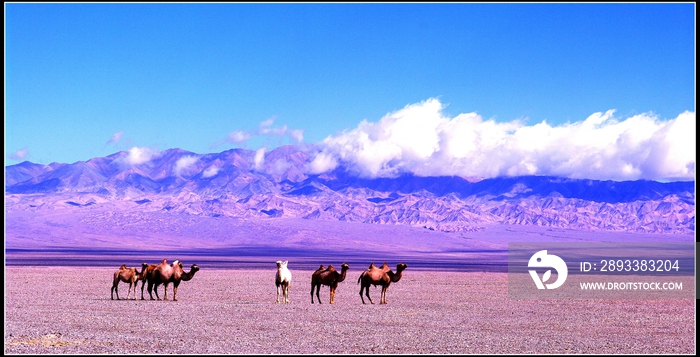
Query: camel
(127, 275)
(329, 277)
(165, 274)
(283, 279)
(379, 276)
(142, 278)
(183, 276)
(145, 278)
(161, 274)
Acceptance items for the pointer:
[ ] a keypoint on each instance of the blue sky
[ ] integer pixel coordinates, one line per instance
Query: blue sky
(88, 80)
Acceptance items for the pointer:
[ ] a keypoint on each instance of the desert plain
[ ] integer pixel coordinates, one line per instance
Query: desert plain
(68, 310)
(452, 299)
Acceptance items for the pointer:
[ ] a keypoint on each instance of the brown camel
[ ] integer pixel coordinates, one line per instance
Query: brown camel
(127, 275)
(160, 273)
(379, 276)
(184, 276)
(146, 278)
(165, 274)
(329, 277)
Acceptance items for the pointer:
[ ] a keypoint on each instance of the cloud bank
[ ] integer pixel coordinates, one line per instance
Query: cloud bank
(420, 139)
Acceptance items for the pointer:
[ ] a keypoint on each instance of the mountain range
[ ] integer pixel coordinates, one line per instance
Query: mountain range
(243, 183)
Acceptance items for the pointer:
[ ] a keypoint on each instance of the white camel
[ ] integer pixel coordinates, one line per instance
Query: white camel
(283, 279)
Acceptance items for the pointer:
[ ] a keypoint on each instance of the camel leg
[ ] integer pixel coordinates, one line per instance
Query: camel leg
(175, 285)
(165, 294)
(367, 293)
(384, 290)
(155, 290)
(134, 290)
(363, 299)
(278, 293)
(318, 291)
(150, 291)
(286, 294)
(317, 287)
(143, 285)
(333, 294)
(116, 289)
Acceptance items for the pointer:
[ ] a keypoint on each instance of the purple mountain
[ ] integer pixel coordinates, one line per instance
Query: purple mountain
(234, 184)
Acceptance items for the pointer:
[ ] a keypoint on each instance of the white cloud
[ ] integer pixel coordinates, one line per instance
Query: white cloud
(265, 129)
(116, 138)
(20, 154)
(259, 159)
(238, 137)
(420, 139)
(183, 163)
(211, 171)
(138, 156)
(323, 162)
(279, 167)
(296, 134)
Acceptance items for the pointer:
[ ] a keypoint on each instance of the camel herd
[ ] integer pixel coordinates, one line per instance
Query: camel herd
(155, 275)
(382, 276)
(164, 273)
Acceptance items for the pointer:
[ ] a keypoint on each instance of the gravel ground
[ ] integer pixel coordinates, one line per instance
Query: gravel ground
(67, 310)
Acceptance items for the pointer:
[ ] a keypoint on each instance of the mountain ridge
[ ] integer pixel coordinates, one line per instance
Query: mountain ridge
(240, 183)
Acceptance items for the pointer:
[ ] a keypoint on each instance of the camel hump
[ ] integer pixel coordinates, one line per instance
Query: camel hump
(371, 265)
(123, 266)
(164, 261)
